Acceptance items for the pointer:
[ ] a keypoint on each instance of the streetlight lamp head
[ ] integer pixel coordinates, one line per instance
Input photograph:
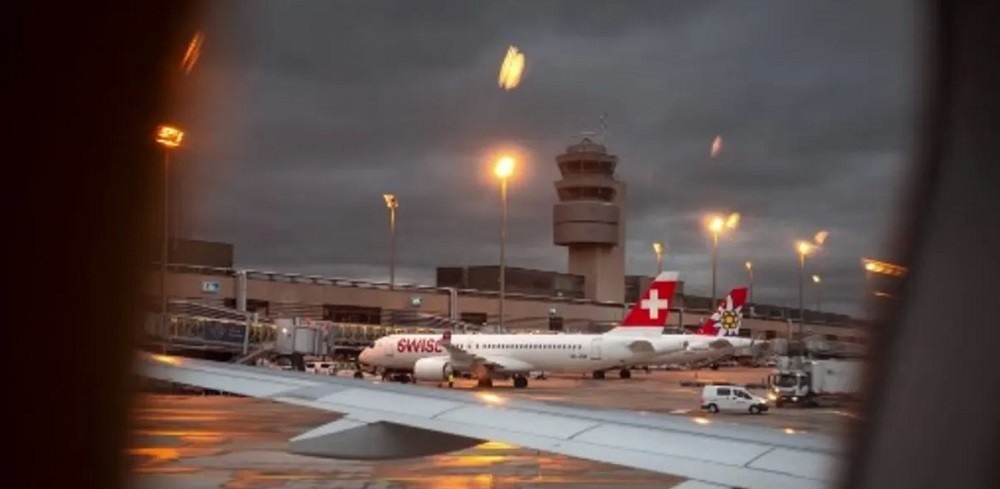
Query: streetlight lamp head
(716, 223)
(749, 265)
(804, 247)
(816, 279)
(169, 136)
(658, 249)
(733, 220)
(390, 201)
(504, 167)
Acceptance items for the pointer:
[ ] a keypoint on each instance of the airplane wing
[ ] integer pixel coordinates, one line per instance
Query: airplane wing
(390, 421)
(461, 356)
(495, 363)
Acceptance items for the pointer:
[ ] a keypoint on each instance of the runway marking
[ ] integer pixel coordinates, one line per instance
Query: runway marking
(680, 411)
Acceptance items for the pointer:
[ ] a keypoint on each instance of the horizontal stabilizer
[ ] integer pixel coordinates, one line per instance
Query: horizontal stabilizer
(357, 440)
(720, 344)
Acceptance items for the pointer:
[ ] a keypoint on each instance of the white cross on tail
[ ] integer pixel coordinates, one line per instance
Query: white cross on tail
(654, 304)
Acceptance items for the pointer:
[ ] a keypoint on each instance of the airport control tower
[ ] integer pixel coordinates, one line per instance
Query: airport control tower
(589, 219)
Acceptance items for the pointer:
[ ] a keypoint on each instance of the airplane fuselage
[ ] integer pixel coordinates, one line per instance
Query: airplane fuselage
(518, 352)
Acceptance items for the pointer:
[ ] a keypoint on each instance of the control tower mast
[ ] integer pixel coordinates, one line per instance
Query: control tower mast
(589, 219)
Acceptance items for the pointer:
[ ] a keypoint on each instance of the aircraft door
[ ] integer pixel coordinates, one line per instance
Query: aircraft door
(595, 349)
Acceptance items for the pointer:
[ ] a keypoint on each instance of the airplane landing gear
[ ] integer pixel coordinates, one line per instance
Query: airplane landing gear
(402, 378)
(625, 373)
(487, 382)
(520, 382)
(598, 374)
(391, 376)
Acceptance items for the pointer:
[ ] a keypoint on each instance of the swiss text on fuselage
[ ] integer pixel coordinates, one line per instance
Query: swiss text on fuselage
(418, 345)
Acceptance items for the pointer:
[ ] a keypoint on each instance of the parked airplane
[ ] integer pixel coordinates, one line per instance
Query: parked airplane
(491, 356)
(718, 336)
(389, 421)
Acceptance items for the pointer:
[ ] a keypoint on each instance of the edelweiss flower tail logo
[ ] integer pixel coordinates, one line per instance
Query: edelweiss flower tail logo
(729, 315)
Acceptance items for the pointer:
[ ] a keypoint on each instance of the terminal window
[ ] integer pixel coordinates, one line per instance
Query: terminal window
(253, 305)
(352, 314)
(473, 317)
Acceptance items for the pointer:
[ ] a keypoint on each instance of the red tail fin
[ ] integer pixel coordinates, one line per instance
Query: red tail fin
(649, 315)
(728, 315)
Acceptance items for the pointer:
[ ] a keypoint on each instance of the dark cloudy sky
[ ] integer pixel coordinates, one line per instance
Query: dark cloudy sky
(301, 114)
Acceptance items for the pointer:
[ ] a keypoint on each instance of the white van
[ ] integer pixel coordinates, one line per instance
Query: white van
(715, 398)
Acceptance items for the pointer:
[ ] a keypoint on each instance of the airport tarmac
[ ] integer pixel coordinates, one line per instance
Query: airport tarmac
(196, 442)
(660, 391)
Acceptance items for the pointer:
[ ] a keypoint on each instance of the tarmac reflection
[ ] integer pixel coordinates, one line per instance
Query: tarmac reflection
(196, 441)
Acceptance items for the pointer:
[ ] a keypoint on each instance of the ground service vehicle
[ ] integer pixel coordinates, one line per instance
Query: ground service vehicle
(810, 382)
(715, 398)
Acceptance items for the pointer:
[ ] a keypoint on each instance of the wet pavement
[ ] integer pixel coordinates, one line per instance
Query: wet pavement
(195, 442)
(662, 392)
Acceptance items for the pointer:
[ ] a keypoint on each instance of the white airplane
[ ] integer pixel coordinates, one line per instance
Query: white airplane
(492, 356)
(384, 421)
(718, 336)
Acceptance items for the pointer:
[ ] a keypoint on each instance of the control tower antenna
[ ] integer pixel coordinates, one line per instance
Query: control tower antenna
(601, 134)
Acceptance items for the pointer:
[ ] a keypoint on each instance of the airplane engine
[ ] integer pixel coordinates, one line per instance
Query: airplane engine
(432, 369)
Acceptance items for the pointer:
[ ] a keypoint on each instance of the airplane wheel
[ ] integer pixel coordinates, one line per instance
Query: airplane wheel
(485, 383)
(520, 382)
(598, 374)
(625, 373)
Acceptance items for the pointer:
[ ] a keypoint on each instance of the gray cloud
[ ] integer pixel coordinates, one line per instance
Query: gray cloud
(303, 113)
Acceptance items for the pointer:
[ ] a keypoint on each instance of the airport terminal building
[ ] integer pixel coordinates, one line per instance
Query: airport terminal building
(535, 300)
(592, 296)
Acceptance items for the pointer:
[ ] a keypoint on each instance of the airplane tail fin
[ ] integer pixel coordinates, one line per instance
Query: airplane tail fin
(649, 316)
(728, 316)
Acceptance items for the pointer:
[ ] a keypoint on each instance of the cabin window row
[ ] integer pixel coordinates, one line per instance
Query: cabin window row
(529, 347)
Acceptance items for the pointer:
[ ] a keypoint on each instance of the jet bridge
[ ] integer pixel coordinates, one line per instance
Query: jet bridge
(191, 326)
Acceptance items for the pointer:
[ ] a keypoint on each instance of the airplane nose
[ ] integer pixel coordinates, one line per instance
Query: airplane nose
(365, 356)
